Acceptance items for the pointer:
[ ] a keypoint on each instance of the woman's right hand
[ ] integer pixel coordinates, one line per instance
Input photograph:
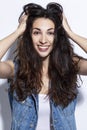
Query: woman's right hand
(22, 24)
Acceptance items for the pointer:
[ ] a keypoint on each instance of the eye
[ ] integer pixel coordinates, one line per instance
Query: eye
(36, 32)
(50, 33)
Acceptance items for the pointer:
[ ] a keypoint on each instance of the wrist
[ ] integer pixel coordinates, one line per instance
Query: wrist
(70, 33)
(17, 33)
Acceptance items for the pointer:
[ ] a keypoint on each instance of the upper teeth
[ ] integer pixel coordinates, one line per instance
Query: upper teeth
(43, 46)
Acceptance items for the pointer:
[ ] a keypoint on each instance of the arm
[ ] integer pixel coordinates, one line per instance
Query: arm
(7, 67)
(81, 41)
(6, 43)
(83, 66)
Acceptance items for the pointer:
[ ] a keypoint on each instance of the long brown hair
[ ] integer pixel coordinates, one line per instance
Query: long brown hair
(62, 70)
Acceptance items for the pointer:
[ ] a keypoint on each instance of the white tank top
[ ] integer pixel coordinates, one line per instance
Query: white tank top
(43, 122)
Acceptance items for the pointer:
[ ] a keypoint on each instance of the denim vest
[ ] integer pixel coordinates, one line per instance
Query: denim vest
(25, 114)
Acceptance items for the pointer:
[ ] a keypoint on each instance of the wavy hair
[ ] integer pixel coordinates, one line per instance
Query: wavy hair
(62, 69)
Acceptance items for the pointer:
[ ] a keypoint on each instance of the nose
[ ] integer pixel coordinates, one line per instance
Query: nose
(43, 39)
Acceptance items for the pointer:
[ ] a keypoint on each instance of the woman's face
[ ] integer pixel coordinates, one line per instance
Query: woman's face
(43, 36)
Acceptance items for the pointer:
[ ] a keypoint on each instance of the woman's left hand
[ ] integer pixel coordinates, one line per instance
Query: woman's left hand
(66, 25)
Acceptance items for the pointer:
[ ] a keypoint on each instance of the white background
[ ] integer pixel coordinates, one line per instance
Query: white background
(75, 11)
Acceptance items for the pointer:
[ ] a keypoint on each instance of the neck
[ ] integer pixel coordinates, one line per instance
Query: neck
(45, 66)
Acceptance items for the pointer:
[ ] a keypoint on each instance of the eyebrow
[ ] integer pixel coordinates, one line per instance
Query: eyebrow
(40, 29)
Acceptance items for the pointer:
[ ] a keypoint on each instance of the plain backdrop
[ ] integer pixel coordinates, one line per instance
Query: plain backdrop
(75, 11)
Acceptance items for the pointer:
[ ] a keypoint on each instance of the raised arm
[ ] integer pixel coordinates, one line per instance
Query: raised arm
(6, 42)
(81, 41)
(7, 67)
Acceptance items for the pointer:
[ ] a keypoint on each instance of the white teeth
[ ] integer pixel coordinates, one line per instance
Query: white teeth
(42, 47)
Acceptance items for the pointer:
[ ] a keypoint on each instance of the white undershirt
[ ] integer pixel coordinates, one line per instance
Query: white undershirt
(43, 113)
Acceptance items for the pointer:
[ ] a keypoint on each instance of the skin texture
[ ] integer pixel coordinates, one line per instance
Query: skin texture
(43, 36)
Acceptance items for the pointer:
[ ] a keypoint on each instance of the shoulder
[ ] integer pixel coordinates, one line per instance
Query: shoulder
(6, 69)
(82, 64)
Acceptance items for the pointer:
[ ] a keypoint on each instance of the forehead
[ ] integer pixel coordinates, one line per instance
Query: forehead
(43, 22)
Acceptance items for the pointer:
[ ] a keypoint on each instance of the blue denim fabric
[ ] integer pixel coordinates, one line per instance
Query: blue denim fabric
(25, 115)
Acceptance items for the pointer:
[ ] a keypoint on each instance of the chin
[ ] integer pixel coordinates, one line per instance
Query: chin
(43, 54)
(43, 57)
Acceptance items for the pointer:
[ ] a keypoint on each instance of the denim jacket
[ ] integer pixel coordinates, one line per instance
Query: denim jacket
(25, 114)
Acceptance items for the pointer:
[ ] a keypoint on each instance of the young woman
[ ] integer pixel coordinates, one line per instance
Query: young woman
(43, 76)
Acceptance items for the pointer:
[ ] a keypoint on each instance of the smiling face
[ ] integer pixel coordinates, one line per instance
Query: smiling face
(43, 36)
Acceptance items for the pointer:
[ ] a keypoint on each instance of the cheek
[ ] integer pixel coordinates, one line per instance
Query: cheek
(51, 42)
(34, 43)
(34, 40)
(51, 39)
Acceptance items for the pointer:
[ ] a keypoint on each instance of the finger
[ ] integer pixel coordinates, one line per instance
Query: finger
(23, 18)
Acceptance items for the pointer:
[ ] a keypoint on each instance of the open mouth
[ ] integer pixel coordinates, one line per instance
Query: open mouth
(43, 48)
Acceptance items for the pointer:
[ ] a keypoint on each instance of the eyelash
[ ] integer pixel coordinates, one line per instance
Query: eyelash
(36, 33)
(51, 33)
